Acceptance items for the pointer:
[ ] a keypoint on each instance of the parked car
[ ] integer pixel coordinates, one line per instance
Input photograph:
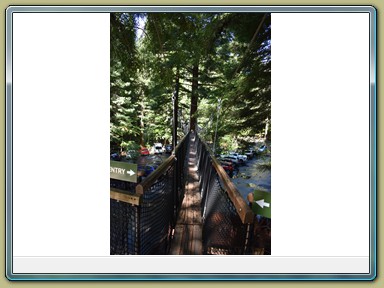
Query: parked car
(228, 167)
(168, 148)
(234, 160)
(154, 160)
(115, 157)
(158, 148)
(146, 170)
(249, 153)
(149, 169)
(144, 151)
(262, 148)
(241, 157)
(132, 154)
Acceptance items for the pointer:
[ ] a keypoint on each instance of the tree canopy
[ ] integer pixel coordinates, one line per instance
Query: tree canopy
(221, 63)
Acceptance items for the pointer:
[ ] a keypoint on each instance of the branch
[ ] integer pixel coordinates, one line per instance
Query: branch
(185, 89)
(250, 43)
(145, 32)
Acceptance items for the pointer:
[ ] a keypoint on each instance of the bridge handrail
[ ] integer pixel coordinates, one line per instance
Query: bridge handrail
(147, 182)
(182, 141)
(243, 210)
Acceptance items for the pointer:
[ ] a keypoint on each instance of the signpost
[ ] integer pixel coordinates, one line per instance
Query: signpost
(123, 171)
(262, 203)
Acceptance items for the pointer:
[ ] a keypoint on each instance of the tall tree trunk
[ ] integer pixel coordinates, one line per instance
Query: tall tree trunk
(142, 124)
(194, 98)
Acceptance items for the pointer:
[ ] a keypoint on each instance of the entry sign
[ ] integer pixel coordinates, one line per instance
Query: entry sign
(123, 171)
(262, 203)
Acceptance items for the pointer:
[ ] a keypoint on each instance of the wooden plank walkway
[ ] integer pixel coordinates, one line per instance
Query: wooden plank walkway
(188, 231)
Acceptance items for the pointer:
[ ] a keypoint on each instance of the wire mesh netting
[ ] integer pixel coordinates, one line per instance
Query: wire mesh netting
(181, 173)
(146, 228)
(123, 224)
(123, 228)
(156, 215)
(223, 230)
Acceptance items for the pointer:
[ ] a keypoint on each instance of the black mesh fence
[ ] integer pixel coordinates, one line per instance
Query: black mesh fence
(123, 224)
(181, 173)
(123, 228)
(156, 215)
(223, 230)
(145, 228)
(161, 202)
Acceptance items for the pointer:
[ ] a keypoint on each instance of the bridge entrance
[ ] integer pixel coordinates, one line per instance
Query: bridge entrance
(187, 206)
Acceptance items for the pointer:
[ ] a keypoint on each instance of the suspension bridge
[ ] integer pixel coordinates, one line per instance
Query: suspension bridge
(187, 206)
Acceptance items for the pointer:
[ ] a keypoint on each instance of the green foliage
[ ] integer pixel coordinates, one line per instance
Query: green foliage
(130, 145)
(228, 143)
(232, 61)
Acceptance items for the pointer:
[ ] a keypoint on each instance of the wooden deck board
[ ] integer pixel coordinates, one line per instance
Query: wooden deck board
(196, 243)
(188, 231)
(177, 240)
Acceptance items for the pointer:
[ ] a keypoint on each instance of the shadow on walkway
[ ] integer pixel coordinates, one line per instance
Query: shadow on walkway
(188, 231)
